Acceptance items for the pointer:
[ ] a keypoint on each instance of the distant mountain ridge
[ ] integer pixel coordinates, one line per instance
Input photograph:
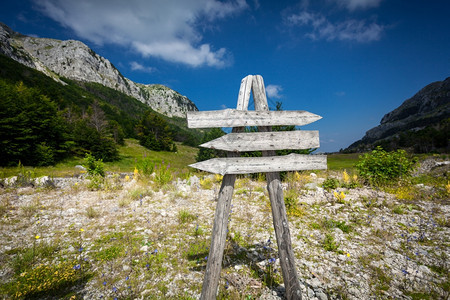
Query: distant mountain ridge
(420, 123)
(76, 61)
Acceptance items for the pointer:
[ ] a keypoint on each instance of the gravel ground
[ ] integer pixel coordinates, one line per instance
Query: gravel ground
(369, 245)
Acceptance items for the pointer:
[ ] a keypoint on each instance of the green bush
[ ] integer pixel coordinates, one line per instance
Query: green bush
(145, 167)
(94, 167)
(330, 184)
(384, 168)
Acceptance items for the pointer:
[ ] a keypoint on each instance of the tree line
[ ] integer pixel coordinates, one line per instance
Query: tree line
(36, 132)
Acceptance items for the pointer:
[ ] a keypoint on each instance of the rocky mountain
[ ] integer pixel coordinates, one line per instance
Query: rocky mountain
(76, 61)
(420, 123)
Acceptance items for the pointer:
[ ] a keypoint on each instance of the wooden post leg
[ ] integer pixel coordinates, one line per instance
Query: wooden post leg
(218, 238)
(280, 223)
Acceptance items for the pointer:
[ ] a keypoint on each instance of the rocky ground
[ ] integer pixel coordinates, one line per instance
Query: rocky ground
(130, 238)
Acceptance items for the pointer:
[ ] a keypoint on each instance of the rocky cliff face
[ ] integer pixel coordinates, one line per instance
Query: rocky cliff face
(428, 107)
(76, 61)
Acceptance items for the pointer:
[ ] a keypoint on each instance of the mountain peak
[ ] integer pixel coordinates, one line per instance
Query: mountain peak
(75, 60)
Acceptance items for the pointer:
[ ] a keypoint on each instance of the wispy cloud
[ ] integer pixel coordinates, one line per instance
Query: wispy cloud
(353, 5)
(168, 30)
(273, 91)
(320, 28)
(135, 66)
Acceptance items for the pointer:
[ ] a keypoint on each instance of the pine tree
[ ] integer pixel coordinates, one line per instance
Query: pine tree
(154, 133)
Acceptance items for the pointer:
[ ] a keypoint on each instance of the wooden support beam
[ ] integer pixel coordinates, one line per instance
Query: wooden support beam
(218, 238)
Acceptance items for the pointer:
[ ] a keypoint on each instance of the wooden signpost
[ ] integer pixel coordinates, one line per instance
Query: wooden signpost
(267, 142)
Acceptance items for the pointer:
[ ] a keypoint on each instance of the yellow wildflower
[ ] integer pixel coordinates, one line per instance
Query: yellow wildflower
(340, 197)
(37, 237)
(346, 177)
(348, 254)
(136, 172)
(127, 178)
(81, 229)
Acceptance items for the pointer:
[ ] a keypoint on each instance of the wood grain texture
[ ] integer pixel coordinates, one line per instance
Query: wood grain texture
(244, 93)
(246, 165)
(236, 118)
(256, 141)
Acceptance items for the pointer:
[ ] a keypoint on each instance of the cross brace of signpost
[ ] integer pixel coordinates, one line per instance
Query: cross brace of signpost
(268, 142)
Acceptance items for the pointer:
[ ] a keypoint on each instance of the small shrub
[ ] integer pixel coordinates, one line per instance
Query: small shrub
(96, 183)
(330, 184)
(329, 243)
(145, 167)
(291, 203)
(140, 193)
(25, 177)
(163, 175)
(399, 209)
(185, 216)
(383, 168)
(94, 167)
(92, 213)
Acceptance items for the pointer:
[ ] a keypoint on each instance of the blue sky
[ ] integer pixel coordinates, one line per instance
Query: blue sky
(350, 61)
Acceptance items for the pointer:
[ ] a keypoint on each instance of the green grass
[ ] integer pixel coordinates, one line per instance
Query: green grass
(341, 161)
(129, 154)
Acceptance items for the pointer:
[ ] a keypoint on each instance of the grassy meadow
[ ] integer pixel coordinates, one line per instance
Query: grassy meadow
(131, 153)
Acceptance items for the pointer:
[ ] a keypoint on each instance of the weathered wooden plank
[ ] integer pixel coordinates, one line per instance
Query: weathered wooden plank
(256, 141)
(245, 165)
(237, 118)
(244, 93)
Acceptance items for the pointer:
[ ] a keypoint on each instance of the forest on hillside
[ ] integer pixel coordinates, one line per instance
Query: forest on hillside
(43, 121)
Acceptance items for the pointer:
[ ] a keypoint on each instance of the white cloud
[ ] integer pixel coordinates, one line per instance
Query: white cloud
(353, 5)
(273, 91)
(322, 29)
(165, 29)
(135, 66)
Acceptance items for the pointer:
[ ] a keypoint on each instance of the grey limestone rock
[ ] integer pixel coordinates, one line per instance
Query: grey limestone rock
(75, 60)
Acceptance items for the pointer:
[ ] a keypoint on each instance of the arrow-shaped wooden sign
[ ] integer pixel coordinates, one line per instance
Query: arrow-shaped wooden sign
(261, 141)
(239, 118)
(245, 165)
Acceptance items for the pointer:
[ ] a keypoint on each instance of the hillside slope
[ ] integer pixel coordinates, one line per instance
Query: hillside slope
(421, 123)
(74, 60)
